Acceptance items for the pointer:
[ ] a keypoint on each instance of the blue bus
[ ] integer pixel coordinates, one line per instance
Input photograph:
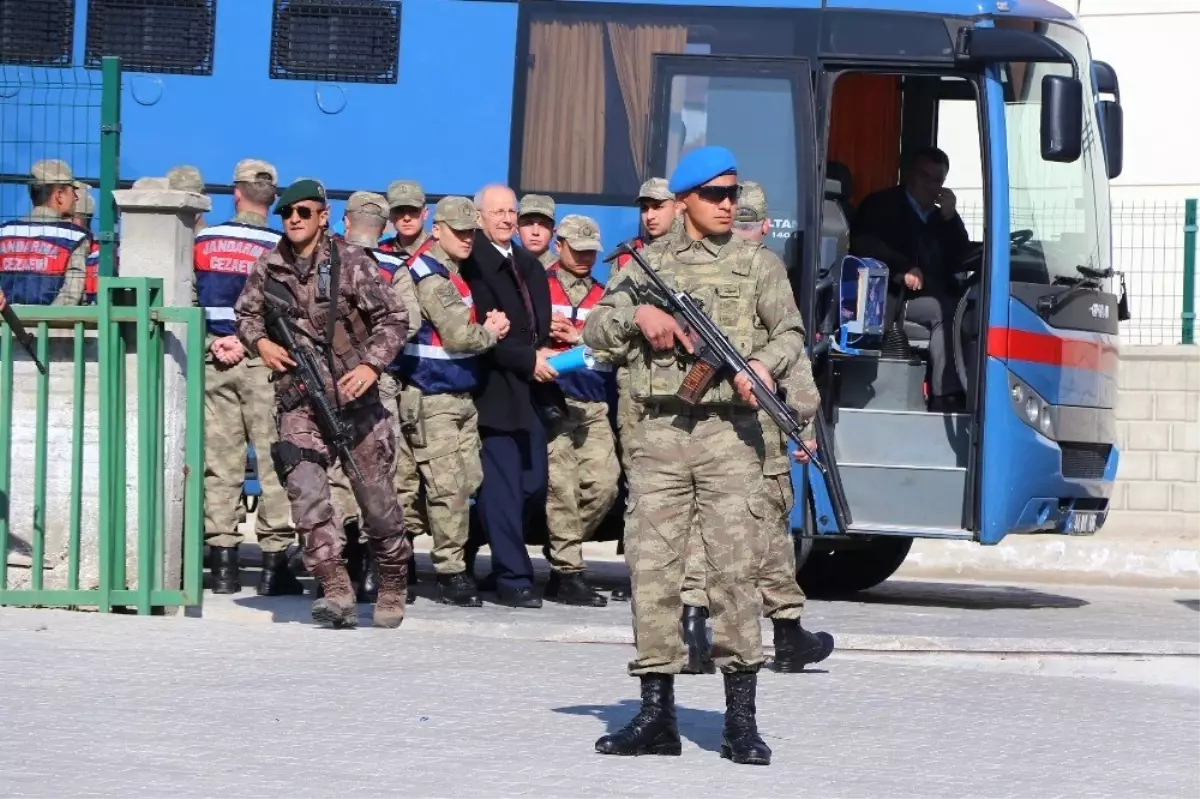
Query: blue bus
(821, 100)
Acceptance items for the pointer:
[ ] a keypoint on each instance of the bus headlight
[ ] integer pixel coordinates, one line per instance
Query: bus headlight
(1030, 407)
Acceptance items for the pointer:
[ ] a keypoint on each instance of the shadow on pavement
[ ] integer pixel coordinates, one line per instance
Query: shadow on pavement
(964, 596)
(1194, 604)
(701, 727)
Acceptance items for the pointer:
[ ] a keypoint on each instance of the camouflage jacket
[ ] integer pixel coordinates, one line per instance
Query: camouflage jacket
(442, 304)
(741, 285)
(371, 325)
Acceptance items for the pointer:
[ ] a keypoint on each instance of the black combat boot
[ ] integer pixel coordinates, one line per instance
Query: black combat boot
(571, 588)
(277, 578)
(223, 565)
(336, 606)
(411, 591)
(458, 589)
(623, 592)
(654, 730)
(368, 580)
(796, 647)
(695, 638)
(741, 742)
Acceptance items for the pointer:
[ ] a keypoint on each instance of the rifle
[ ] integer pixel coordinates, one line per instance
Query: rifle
(308, 378)
(715, 354)
(22, 335)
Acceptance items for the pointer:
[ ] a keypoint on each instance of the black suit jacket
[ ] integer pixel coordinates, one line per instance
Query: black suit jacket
(508, 397)
(887, 228)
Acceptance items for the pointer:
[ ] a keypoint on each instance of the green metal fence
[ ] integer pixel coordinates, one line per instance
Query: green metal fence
(78, 415)
(69, 113)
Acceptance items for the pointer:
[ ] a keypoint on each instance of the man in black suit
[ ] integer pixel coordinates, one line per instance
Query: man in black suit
(916, 231)
(516, 392)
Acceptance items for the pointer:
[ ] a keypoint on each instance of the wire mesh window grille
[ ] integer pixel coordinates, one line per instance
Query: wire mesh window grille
(36, 32)
(166, 36)
(350, 41)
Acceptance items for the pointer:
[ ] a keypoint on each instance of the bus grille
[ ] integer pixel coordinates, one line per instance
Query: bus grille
(1084, 461)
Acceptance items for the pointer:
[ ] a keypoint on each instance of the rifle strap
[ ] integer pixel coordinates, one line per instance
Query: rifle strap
(335, 274)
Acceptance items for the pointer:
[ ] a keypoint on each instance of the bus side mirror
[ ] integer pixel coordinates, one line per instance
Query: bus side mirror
(1112, 122)
(1062, 118)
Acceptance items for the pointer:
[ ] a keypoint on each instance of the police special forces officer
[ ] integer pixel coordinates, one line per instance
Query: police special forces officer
(367, 330)
(698, 465)
(43, 256)
(237, 390)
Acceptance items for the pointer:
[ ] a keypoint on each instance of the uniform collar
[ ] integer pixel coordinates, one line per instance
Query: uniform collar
(43, 213)
(438, 254)
(416, 245)
(569, 281)
(250, 218)
(361, 240)
(709, 244)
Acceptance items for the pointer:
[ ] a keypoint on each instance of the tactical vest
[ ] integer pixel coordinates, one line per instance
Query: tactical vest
(223, 256)
(91, 273)
(624, 260)
(392, 246)
(424, 362)
(727, 292)
(34, 257)
(594, 383)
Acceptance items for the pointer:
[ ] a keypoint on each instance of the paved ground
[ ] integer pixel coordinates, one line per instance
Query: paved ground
(149, 707)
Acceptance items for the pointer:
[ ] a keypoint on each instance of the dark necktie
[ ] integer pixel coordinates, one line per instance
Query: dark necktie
(511, 263)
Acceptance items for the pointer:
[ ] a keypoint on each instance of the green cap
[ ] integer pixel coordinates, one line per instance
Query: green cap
(539, 204)
(405, 194)
(457, 212)
(752, 203)
(655, 189)
(303, 189)
(581, 232)
(367, 202)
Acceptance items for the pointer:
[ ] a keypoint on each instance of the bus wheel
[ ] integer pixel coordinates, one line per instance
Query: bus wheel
(840, 572)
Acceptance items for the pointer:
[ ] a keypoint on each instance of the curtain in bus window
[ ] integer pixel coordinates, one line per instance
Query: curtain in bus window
(564, 108)
(864, 130)
(633, 50)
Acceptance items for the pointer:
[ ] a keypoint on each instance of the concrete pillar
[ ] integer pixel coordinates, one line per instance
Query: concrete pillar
(158, 230)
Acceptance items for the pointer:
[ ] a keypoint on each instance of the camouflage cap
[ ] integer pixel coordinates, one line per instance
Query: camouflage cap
(752, 203)
(252, 170)
(84, 204)
(581, 232)
(540, 204)
(405, 194)
(655, 189)
(367, 202)
(51, 172)
(457, 212)
(185, 178)
(301, 190)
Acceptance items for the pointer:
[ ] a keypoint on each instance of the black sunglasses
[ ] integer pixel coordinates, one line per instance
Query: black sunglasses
(303, 211)
(716, 194)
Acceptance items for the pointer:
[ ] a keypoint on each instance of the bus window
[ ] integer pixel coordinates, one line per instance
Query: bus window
(958, 133)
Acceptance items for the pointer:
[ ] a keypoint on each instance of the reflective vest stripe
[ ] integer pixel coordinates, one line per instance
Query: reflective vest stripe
(590, 384)
(424, 362)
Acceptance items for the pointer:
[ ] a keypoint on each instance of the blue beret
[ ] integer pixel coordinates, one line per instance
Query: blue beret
(700, 166)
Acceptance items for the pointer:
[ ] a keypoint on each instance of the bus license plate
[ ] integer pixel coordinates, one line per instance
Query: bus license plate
(1083, 523)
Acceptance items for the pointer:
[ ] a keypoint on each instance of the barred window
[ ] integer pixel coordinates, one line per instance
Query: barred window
(351, 41)
(36, 32)
(169, 36)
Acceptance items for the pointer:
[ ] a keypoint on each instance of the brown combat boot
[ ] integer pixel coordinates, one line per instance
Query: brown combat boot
(336, 607)
(393, 590)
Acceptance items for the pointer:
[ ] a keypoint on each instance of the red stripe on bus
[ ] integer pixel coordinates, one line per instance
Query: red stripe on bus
(1077, 353)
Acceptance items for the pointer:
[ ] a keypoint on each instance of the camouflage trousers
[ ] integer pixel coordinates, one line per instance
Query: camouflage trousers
(239, 405)
(447, 472)
(374, 450)
(701, 471)
(582, 486)
(782, 596)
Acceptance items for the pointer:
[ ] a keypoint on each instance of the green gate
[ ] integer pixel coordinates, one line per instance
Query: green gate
(76, 418)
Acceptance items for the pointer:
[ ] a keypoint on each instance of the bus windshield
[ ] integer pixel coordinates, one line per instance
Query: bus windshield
(1064, 208)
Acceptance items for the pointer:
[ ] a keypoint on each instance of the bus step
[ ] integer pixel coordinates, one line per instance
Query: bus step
(909, 438)
(904, 495)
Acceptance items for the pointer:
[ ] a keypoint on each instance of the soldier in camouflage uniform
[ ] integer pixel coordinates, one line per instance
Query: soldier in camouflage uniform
(535, 226)
(783, 599)
(583, 467)
(656, 215)
(364, 221)
(368, 330)
(438, 418)
(698, 465)
(406, 204)
(187, 178)
(26, 279)
(237, 390)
